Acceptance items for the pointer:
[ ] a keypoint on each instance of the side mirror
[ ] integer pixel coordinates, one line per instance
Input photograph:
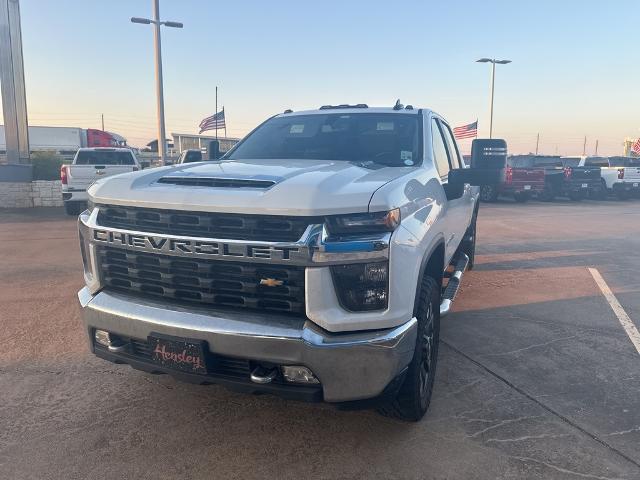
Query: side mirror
(489, 153)
(488, 162)
(454, 188)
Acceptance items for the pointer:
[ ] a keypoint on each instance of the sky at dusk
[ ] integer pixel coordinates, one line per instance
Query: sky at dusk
(575, 64)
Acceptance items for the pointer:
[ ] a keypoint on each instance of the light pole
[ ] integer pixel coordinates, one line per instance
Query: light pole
(493, 62)
(162, 145)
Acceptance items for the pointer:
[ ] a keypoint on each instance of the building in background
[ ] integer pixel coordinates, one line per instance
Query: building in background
(187, 141)
(628, 147)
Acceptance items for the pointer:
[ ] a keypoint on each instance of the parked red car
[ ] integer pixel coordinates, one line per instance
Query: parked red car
(519, 180)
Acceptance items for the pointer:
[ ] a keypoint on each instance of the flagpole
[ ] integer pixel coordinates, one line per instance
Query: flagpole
(216, 111)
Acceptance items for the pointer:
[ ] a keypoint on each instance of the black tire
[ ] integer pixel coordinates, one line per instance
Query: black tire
(469, 241)
(521, 197)
(73, 208)
(602, 193)
(576, 196)
(622, 195)
(414, 396)
(488, 193)
(548, 194)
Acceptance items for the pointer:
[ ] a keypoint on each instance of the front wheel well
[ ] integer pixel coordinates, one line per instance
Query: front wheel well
(433, 267)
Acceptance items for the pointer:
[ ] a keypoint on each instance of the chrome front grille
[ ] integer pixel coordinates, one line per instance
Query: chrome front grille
(208, 282)
(230, 226)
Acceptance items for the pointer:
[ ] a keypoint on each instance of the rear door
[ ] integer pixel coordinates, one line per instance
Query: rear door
(459, 210)
(89, 165)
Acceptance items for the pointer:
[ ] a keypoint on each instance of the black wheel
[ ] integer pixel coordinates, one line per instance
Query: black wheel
(488, 193)
(469, 241)
(414, 396)
(622, 195)
(548, 194)
(576, 196)
(602, 193)
(73, 208)
(521, 197)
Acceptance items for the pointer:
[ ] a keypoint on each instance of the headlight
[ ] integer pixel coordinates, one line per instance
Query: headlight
(90, 206)
(364, 222)
(362, 286)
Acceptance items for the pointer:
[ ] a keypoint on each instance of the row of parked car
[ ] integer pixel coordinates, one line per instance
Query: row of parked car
(547, 177)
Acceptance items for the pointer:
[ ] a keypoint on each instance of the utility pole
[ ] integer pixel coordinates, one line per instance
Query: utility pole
(493, 84)
(493, 62)
(102, 118)
(584, 146)
(596, 148)
(14, 103)
(216, 112)
(162, 137)
(537, 142)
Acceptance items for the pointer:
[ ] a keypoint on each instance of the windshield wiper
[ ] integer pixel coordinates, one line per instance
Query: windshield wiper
(371, 165)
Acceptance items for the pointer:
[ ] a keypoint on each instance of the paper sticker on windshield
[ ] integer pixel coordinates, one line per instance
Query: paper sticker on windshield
(407, 157)
(296, 128)
(385, 126)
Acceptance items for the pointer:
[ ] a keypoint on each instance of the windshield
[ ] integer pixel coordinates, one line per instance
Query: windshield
(571, 162)
(624, 162)
(383, 138)
(547, 161)
(597, 162)
(97, 157)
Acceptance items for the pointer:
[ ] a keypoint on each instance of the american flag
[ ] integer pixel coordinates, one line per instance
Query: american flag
(466, 131)
(214, 122)
(636, 146)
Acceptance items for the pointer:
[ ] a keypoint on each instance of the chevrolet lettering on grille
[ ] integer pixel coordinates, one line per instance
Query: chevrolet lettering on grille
(202, 248)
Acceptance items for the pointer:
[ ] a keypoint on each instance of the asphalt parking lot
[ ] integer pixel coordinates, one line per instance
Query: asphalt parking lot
(537, 378)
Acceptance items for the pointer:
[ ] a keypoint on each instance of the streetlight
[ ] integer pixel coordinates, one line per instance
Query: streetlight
(493, 62)
(162, 144)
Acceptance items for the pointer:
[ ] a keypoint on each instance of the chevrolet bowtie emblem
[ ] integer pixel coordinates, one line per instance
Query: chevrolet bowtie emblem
(270, 282)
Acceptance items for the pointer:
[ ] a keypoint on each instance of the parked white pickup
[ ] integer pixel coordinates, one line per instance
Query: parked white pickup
(620, 175)
(90, 164)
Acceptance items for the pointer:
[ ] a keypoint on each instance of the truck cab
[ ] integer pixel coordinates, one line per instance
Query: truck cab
(189, 156)
(313, 261)
(620, 175)
(90, 164)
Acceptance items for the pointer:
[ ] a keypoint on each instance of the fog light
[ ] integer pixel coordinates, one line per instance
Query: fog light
(103, 338)
(299, 374)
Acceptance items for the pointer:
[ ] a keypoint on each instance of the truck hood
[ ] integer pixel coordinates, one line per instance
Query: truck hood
(276, 187)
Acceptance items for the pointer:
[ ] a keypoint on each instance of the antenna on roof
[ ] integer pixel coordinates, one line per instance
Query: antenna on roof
(398, 105)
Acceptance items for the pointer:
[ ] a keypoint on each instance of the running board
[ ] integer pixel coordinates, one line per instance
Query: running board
(451, 290)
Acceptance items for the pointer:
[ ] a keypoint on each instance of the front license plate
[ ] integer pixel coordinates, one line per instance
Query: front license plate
(527, 187)
(585, 185)
(178, 353)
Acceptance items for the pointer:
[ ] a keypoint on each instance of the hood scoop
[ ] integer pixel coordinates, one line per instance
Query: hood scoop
(216, 182)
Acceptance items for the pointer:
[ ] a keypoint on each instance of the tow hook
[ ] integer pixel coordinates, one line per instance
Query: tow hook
(263, 375)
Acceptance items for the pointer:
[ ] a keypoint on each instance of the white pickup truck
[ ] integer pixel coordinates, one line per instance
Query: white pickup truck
(313, 261)
(624, 176)
(620, 176)
(88, 165)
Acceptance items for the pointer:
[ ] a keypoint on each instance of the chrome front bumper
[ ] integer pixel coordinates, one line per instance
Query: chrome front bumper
(350, 366)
